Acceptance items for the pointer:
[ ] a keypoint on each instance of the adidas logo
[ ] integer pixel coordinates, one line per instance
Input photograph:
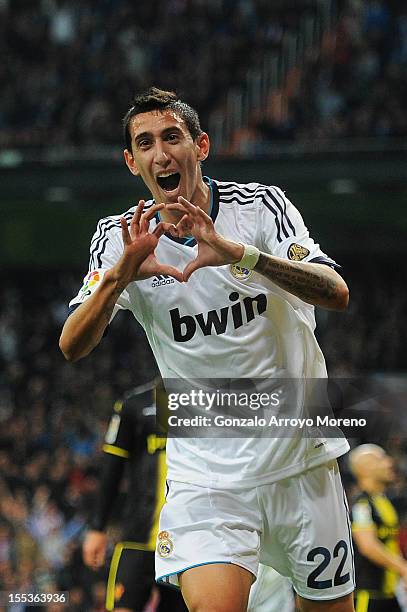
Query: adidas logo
(162, 279)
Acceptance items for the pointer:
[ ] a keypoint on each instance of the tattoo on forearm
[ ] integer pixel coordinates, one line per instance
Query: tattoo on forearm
(294, 277)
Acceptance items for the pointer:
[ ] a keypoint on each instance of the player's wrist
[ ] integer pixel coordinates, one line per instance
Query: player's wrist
(118, 278)
(236, 251)
(249, 258)
(230, 250)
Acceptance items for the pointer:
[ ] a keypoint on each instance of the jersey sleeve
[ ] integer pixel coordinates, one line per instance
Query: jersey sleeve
(283, 232)
(362, 516)
(106, 249)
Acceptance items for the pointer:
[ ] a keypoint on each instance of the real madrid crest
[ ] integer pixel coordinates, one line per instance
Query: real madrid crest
(296, 252)
(240, 273)
(165, 545)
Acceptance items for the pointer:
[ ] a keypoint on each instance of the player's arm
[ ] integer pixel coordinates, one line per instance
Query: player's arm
(94, 545)
(373, 549)
(314, 283)
(84, 328)
(116, 451)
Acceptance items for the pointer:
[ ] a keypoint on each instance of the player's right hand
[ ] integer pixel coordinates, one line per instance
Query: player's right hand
(94, 549)
(138, 260)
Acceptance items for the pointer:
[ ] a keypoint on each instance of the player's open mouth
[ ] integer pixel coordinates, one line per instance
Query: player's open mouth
(169, 181)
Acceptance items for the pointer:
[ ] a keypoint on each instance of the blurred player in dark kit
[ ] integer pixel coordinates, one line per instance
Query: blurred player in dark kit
(375, 527)
(132, 441)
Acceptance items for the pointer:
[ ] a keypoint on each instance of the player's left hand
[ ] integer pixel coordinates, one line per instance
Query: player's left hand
(94, 549)
(213, 249)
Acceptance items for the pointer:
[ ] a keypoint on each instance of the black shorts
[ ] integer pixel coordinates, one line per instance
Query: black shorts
(131, 580)
(364, 602)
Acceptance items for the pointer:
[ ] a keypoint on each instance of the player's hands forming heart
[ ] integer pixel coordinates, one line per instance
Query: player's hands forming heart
(213, 249)
(138, 260)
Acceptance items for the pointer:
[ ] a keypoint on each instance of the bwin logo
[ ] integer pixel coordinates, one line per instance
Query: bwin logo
(184, 327)
(162, 279)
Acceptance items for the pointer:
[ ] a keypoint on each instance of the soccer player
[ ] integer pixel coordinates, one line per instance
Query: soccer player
(132, 438)
(247, 276)
(378, 560)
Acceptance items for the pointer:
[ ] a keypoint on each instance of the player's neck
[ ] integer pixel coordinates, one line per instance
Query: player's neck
(201, 197)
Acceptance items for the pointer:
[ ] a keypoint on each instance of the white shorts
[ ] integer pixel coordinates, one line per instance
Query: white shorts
(299, 526)
(271, 592)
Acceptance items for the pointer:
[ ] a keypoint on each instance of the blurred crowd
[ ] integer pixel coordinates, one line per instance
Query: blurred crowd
(352, 85)
(53, 416)
(72, 66)
(356, 85)
(372, 334)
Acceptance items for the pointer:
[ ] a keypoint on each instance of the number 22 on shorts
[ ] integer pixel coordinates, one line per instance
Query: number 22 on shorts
(341, 550)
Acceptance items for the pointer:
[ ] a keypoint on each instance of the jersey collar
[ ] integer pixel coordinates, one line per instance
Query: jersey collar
(213, 213)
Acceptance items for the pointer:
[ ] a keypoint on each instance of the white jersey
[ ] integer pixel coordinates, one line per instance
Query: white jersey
(227, 323)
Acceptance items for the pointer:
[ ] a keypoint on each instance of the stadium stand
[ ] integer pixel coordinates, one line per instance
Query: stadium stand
(338, 68)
